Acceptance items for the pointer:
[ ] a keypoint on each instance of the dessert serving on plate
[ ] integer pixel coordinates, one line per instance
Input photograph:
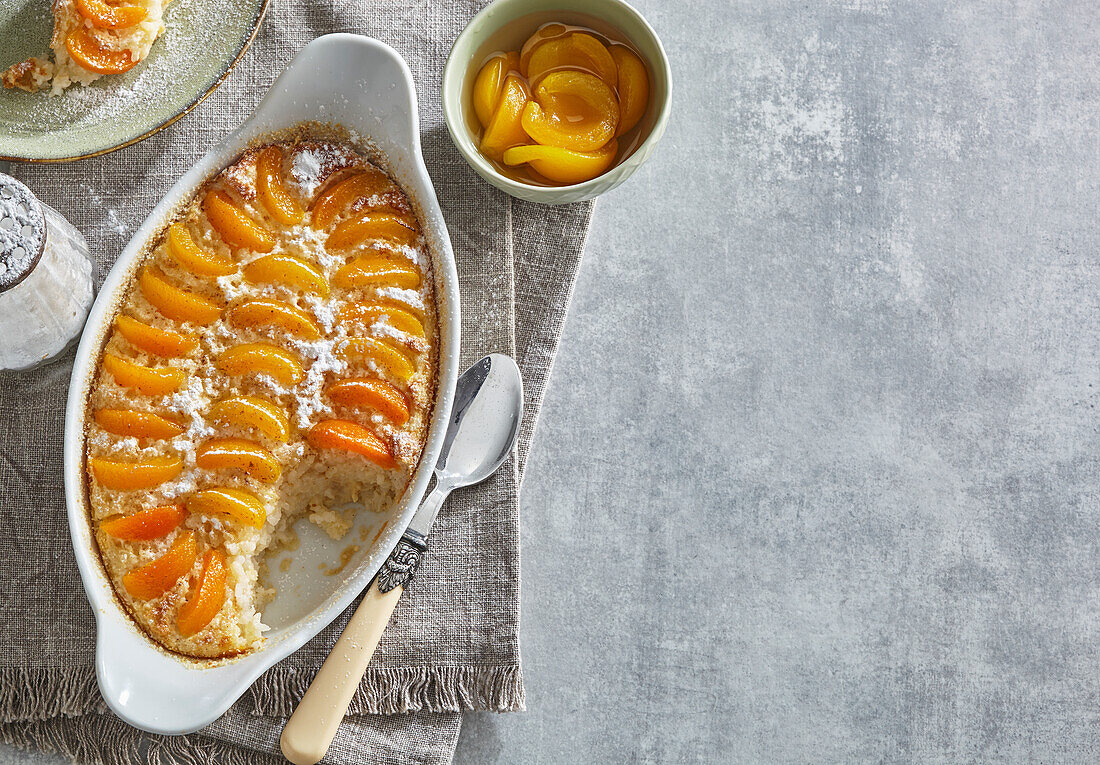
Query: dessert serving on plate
(91, 38)
(273, 358)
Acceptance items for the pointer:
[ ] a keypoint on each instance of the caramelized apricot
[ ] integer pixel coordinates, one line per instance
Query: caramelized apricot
(234, 225)
(104, 16)
(289, 270)
(154, 579)
(489, 84)
(261, 358)
(154, 340)
(130, 422)
(236, 504)
(372, 225)
(182, 248)
(148, 381)
(365, 392)
(124, 475)
(150, 523)
(577, 50)
(563, 165)
(175, 302)
(368, 313)
(86, 50)
(352, 437)
(633, 87)
(269, 184)
(375, 269)
(334, 200)
(255, 413)
(572, 110)
(381, 354)
(207, 599)
(505, 128)
(264, 312)
(247, 456)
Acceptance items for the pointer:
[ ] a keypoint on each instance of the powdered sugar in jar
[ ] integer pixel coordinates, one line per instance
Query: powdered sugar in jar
(45, 279)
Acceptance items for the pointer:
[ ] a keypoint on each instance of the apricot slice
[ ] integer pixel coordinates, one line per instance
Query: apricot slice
(235, 504)
(207, 599)
(253, 459)
(633, 87)
(88, 53)
(335, 199)
(234, 225)
(375, 269)
(156, 578)
(287, 269)
(104, 16)
(124, 475)
(148, 381)
(150, 523)
(541, 35)
(159, 342)
(130, 422)
(255, 413)
(490, 84)
(261, 358)
(264, 312)
(372, 225)
(269, 183)
(505, 128)
(353, 437)
(563, 165)
(365, 392)
(381, 354)
(572, 110)
(574, 51)
(182, 248)
(177, 303)
(368, 313)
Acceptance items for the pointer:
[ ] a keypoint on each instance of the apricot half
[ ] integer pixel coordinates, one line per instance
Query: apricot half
(335, 199)
(261, 358)
(247, 456)
(633, 87)
(572, 110)
(375, 269)
(150, 523)
(576, 51)
(489, 84)
(563, 165)
(174, 302)
(154, 340)
(289, 270)
(269, 183)
(182, 248)
(236, 227)
(207, 599)
(136, 424)
(366, 392)
(124, 475)
(148, 381)
(352, 437)
(368, 313)
(235, 504)
(505, 129)
(154, 579)
(265, 312)
(105, 16)
(381, 354)
(86, 50)
(255, 413)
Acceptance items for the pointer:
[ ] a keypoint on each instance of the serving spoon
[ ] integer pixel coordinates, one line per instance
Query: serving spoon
(488, 407)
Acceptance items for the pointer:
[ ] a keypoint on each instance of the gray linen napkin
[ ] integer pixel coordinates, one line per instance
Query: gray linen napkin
(453, 642)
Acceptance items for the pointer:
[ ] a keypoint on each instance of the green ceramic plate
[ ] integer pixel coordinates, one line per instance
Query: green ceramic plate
(202, 41)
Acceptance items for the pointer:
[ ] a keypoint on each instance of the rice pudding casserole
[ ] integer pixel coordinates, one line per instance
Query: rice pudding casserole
(273, 358)
(91, 38)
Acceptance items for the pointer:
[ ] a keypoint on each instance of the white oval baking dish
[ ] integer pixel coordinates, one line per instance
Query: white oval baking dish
(364, 86)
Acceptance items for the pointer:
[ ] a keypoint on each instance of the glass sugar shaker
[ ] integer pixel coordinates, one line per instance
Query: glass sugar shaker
(46, 284)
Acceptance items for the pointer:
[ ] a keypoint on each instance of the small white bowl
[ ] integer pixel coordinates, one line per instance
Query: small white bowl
(364, 86)
(480, 38)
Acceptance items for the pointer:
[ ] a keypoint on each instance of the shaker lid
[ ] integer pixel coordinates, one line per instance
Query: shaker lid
(22, 232)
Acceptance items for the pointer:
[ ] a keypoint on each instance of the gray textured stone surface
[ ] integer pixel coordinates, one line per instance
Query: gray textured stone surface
(818, 477)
